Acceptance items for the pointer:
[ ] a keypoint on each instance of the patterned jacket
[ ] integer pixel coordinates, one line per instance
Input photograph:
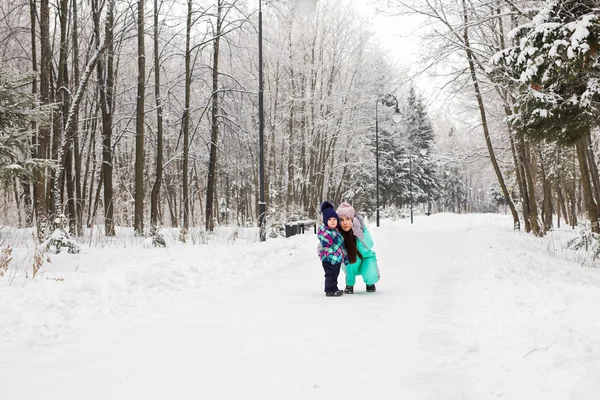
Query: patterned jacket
(331, 242)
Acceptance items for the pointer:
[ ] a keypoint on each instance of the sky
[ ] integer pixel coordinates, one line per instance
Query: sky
(398, 34)
(466, 308)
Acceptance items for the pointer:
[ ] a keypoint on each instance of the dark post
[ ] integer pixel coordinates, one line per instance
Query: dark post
(386, 99)
(410, 179)
(261, 166)
(377, 163)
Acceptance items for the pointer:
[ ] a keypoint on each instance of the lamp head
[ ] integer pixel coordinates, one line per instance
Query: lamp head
(396, 116)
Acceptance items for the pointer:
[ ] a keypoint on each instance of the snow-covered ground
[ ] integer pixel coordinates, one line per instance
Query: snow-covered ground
(465, 309)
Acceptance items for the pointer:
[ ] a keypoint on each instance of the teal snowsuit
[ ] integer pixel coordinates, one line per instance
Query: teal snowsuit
(367, 267)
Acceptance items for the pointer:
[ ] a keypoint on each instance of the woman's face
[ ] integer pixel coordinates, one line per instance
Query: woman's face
(345, 223)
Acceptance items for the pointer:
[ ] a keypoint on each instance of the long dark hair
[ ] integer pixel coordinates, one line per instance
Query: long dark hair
(350, 243)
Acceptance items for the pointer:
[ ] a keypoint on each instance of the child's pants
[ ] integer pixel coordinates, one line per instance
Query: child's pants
(332, 271)
(366, 267)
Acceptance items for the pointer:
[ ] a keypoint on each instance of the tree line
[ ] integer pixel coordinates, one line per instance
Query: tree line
(134, 110)
(532, 69)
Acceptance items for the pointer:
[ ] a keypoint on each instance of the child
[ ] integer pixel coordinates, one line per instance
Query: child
(331, 252)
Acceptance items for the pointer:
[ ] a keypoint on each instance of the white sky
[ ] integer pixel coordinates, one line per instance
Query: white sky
(466, 308)
(397, 34)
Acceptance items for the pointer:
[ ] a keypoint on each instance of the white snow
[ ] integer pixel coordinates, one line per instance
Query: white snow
(466, 309)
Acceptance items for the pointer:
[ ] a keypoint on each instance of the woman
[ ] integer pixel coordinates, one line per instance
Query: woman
(358, 243)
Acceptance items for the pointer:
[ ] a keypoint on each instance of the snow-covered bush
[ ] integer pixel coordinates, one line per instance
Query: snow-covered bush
(59, 240)
(587, 241)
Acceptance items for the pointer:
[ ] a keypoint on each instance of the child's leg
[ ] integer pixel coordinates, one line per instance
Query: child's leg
(370, 270)
(336, 272)
(330, 276)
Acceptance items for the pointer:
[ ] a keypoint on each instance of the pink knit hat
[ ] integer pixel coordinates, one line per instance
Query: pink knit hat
(346, 210)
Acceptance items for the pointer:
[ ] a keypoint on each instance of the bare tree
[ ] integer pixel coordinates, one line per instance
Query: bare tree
(140, 113)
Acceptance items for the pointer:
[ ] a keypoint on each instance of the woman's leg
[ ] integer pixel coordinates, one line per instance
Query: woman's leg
(351, 272)
(370, 271)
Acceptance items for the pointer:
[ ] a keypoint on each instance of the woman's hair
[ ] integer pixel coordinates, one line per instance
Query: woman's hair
(350, 243)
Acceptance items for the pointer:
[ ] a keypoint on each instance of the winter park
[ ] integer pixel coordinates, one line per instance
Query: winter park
(300, 199)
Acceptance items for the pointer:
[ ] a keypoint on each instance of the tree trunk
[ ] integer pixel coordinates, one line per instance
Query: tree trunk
(482, 112)
(186, 120)
(214, 137)
(520, 168)
(75, 153)
(63, 98)
(106, 87)
(27, 200)
(530, 180)
(593, 171)
(159, 128)
(139, 138)
(588, 197)
(290, 193)
(39, 191)
(547, 202)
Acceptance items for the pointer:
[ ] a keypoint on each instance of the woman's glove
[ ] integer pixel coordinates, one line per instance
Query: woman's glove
(357, 228)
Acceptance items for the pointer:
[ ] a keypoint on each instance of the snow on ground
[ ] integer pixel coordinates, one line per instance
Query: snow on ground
(466, 309)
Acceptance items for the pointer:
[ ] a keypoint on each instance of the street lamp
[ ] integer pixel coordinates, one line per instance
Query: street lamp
(386, 100)
(423, 152)
(261, 129)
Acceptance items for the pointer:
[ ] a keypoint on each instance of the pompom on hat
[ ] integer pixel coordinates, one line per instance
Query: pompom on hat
(346, 210)
(328, 211)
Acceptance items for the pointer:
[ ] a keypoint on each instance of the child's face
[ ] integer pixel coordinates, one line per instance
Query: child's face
(332, 222)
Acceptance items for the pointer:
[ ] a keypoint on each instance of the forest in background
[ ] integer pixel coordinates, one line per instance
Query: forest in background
(145, 114)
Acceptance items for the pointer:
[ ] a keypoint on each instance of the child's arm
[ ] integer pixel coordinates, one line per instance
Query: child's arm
(324, 237)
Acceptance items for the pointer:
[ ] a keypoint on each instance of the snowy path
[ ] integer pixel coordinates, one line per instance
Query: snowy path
(464, 310)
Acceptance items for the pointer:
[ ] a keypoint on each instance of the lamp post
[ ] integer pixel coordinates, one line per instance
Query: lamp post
(386, 99)
(423, 152)
(261, 128)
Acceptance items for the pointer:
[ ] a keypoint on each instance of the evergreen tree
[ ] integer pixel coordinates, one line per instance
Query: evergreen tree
(454, 193)
(555, 69)
(415, 156)
(17, 112)
(389, 190)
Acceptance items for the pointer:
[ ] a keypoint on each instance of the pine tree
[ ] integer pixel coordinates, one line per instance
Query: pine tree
(415, 156)
(555, 70)
(16, 114)
(389, 165)
(453, 193)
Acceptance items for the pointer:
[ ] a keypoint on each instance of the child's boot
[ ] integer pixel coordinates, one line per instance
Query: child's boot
(349, 289)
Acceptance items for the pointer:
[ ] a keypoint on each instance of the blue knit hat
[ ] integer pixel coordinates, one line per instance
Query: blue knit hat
(328, 211)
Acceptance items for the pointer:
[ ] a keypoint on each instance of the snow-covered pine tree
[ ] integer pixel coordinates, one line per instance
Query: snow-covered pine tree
(418, 137)
(554, 71)
(16, 114)
(389, 167)
(453, 192)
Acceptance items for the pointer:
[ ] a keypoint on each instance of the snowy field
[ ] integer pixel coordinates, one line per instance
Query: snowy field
(465, 309)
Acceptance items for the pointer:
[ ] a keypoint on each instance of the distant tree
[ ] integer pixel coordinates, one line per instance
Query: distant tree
(453, 192)
(415, 158)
